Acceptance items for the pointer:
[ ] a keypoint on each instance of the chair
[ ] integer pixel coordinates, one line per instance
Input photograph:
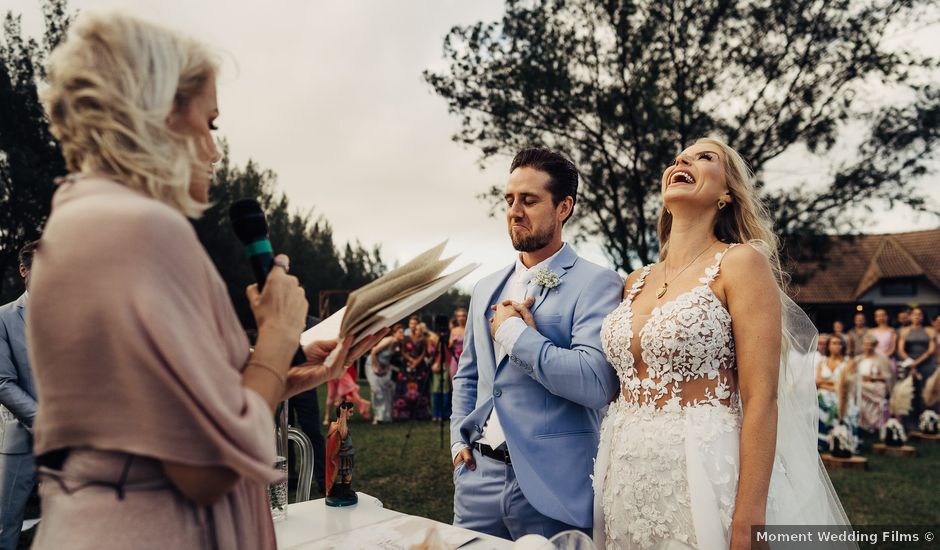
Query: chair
(304, 454)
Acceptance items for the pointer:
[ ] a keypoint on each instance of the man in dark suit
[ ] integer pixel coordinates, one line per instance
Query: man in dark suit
(305, 407)
(18, 397)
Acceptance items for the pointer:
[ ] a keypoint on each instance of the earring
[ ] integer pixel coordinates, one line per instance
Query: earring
(721, 204)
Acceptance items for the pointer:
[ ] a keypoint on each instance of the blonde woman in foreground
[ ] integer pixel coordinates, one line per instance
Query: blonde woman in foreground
(156, 427)
(714, 429)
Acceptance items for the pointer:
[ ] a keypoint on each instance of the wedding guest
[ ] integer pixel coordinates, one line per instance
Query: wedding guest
(431, 339)
(904, 318)
(455, 342)
(18, 411)
(887, 339)
(916, 348)
(155, 429)
(411, 402)
(343, 389)
(838, 331)
(415, 348)
(936, 328)
(828, 372)
(822, 348)
(412, 323)
(384, 359)
(305, 412)
(451, 327)
(856, 334)
(875, 379)
(431, 344)
(440, 379)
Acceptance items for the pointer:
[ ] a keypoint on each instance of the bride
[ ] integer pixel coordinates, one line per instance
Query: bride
(713, 431)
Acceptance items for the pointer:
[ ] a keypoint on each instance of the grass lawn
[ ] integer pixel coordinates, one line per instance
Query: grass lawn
(894, 490)
(413, 475)
(402, 464)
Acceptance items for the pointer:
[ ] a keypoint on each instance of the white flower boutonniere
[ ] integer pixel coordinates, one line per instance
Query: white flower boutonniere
(546, 278)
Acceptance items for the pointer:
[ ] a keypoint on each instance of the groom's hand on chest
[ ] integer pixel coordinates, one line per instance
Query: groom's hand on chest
(501, 311)
(508, 309)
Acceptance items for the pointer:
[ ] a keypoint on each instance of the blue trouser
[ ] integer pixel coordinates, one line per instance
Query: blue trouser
(489, 500)
(17, 477)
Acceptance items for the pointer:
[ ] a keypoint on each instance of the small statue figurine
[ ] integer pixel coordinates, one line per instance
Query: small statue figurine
(340, 459)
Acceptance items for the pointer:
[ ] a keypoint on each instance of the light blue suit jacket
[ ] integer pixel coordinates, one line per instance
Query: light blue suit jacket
(548, 389)
(17, 389)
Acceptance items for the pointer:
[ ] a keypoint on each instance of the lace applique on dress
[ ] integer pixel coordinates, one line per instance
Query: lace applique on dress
(684, 340)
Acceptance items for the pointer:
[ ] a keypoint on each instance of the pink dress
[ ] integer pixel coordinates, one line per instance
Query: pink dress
(884, 345)
(345, 387)
(454, 355)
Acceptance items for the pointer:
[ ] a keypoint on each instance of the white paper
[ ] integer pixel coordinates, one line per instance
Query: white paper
(327, 329)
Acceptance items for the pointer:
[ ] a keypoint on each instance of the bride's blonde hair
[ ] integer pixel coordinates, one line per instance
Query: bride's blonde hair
(744, 220)
(112, 84)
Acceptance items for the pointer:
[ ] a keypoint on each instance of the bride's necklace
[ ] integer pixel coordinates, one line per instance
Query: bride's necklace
(665, 287)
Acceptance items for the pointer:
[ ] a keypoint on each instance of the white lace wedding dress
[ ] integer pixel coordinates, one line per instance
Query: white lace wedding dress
(667, 468)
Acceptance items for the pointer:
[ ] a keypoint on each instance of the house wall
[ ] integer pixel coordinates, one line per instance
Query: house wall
(927, 295)
(823, 315)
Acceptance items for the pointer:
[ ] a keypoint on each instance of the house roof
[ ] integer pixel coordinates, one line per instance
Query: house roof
(853, 265)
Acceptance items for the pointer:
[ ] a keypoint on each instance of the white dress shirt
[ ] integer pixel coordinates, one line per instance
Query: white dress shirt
(519, 286)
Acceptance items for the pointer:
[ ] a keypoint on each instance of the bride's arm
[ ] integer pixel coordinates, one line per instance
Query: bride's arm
(754, 304)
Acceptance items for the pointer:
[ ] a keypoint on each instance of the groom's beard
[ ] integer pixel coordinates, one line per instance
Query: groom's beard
(534, 241)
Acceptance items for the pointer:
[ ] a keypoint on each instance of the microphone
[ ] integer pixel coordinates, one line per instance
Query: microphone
(252, 230)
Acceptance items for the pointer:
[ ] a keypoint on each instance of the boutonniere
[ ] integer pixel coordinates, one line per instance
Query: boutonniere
(546, 278)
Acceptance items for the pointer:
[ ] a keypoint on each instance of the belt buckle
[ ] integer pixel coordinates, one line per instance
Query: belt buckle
(503, 456)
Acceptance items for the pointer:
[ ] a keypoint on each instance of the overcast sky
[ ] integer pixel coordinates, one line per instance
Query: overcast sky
(329, 95)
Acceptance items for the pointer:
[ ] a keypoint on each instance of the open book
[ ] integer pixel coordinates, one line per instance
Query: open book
(390, 298)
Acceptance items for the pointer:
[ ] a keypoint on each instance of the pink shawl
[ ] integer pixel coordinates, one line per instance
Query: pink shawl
(133, 339)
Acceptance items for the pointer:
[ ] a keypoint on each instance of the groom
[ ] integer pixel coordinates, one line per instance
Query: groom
(532, 375)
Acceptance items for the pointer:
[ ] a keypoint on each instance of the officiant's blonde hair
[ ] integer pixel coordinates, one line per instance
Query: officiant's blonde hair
(113, 82)
(744, 220)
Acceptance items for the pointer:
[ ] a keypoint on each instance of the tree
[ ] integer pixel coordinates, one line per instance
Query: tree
(622, 86)
(306, 239)
(30, 159)
(445, 305)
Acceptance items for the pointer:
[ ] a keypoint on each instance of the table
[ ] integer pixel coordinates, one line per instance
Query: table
(311, 521)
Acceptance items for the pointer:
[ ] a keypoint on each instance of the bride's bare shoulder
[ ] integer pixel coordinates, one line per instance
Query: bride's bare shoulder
(746, 274)
(744, 261)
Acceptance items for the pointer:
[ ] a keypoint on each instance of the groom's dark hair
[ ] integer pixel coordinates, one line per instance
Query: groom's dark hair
(563, 175)
(25, 255)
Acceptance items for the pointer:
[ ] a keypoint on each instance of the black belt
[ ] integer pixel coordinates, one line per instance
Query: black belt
(495, 454)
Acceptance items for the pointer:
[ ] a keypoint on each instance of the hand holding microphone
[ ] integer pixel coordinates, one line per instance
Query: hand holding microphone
(251, 228)
(281, 308)
(283, 303)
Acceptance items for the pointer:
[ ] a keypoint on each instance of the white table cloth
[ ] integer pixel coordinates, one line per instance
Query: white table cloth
(308, 523)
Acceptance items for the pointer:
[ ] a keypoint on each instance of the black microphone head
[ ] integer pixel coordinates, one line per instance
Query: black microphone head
(248, 221)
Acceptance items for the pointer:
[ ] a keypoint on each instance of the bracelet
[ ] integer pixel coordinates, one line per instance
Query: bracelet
(280, 377)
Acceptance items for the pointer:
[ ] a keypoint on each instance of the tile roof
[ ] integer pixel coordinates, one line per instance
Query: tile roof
(854, 264)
